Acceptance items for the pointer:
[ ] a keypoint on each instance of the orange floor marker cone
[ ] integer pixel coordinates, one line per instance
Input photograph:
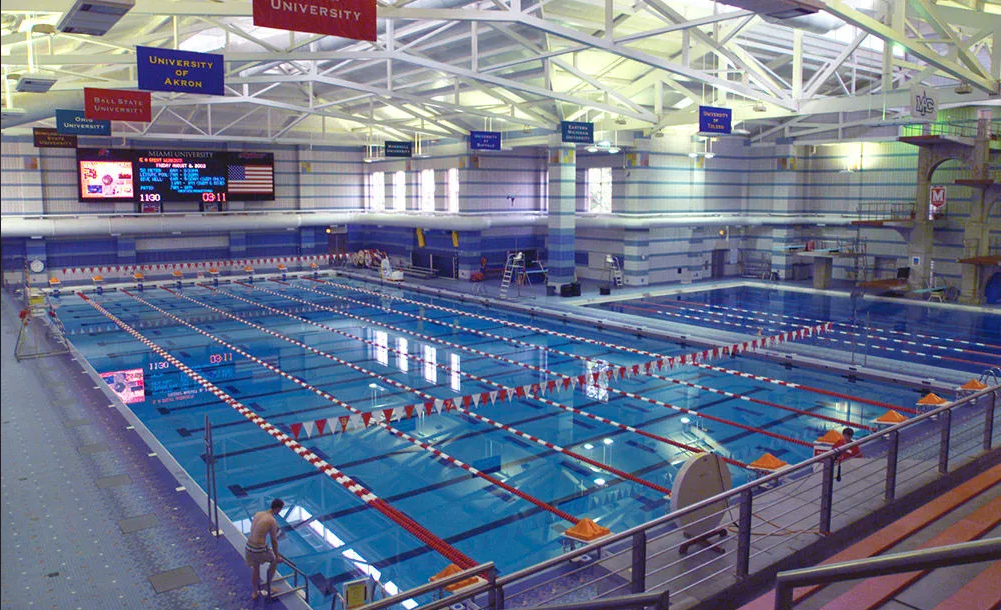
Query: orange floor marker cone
(454, 569)
(830, 437)
(891, 417)
(768, 462)
(587, 530)
(932, 400)
(973, 385)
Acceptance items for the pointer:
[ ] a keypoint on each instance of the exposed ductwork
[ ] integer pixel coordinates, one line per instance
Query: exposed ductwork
(143, 224)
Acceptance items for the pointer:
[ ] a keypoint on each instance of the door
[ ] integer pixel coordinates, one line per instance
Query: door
(718, 263)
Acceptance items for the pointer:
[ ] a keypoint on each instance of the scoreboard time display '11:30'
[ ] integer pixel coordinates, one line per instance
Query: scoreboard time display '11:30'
(181, 175)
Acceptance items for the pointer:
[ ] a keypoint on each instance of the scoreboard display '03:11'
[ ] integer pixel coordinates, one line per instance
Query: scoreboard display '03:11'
(180, 175)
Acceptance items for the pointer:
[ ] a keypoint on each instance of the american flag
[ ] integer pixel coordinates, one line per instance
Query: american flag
(254, 179)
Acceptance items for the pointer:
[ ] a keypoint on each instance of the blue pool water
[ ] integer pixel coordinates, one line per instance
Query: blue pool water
(943, 337)
(400, 349)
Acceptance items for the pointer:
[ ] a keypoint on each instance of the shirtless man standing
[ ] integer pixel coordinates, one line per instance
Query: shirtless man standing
(257, 551)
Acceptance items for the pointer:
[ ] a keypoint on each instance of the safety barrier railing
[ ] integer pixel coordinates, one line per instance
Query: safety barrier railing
(961, 129)
(700, 550)
(910, 561)
(871, 211)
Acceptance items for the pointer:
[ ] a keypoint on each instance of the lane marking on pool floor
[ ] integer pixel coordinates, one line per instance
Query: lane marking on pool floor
(411, 526)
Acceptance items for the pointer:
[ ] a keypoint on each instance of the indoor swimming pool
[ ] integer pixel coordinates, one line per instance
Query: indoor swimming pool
(473, 432)
(946, 337)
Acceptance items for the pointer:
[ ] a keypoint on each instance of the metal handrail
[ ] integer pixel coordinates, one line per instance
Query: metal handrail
(296, 573)
(736, 492)
(659, 601)
(487, 568)
(909, 561)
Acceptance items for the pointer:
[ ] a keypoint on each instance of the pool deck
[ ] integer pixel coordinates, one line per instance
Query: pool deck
(92, 520)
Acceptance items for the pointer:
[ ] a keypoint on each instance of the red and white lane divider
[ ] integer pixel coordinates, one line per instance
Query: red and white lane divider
(838, 331)
(206, 265)
(766, 403)
(332, 399)
(616, 370)
(420, 532)
(659, 359)
(567, 380)
(799, 386)
(802, 319)
(532, 391)
(743, 325)
(610, 469)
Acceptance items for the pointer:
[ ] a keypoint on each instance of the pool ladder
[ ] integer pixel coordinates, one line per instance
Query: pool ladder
(292, 588)
(991, 376)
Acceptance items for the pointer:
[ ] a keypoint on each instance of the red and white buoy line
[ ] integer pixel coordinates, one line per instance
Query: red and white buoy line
(800, 386)
(744, 325)
(567, 379)
(610, 469)
(331, 398)
(529, 391)
(636, 369)
(847, 333)
(802, 319)
(407, 523)
(206, 265)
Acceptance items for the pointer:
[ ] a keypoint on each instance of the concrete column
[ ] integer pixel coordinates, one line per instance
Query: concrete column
(635, 259)
(562, 216)
(919, 242)
(976, 232)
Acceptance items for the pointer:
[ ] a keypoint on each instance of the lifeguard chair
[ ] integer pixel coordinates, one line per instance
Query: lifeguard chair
(214, 274)
(98, 281)
(315, 269)
(250, 273)
(178, 276)
(139, 277)
(283, 270)
(54, 284)
(386, 271)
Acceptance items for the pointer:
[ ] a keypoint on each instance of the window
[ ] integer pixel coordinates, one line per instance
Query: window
(454, 379)
(453, 190)
(599, 190)
(431, 364)
(377, 191)
(400, 191)
(426, 190)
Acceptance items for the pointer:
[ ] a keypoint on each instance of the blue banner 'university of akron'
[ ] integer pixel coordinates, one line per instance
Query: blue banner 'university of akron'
(184, 71)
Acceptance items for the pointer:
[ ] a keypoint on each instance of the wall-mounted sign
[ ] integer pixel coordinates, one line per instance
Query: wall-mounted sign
(117, 105)
(75, 122)
(575, 132)
(937, 197)
(715, 120)
(399, 149)
(484, 140)
(345, 18)
(51, 138)
(170, 70)
(924, 103)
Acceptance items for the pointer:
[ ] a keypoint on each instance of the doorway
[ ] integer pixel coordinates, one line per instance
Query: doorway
(719, 263)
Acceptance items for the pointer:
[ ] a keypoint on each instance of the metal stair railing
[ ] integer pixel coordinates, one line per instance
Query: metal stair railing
(909, 561)
(295, 586)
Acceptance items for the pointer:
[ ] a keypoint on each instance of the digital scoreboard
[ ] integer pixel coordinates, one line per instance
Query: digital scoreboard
(181, 175)
(151, 177)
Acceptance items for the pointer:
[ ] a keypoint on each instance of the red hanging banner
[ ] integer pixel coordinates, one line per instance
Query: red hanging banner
(117, 105)
(345, 18)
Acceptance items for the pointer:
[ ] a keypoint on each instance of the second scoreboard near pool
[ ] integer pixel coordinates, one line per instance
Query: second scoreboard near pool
(181, 175)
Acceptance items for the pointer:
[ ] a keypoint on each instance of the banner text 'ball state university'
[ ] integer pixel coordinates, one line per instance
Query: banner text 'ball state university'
(117, 105)
(345, 18)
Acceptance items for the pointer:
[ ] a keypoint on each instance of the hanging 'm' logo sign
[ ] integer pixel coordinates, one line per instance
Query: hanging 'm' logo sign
(170, 70)
(345, 18)
(937, 197)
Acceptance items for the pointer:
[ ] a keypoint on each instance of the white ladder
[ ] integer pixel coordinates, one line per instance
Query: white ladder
(613, 271)
(514, 268)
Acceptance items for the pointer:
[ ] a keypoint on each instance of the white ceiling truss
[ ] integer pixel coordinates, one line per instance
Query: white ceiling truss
(441, 68)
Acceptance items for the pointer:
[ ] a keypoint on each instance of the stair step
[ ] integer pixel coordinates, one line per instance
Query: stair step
(897, 531)
(874, 592)
(981, 593)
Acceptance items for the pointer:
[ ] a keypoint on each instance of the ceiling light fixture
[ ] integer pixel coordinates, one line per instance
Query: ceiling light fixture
(963, 88)
(759, 107)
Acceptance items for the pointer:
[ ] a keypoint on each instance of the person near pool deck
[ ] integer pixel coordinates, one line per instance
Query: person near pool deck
(847, 436)
(258, 551)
